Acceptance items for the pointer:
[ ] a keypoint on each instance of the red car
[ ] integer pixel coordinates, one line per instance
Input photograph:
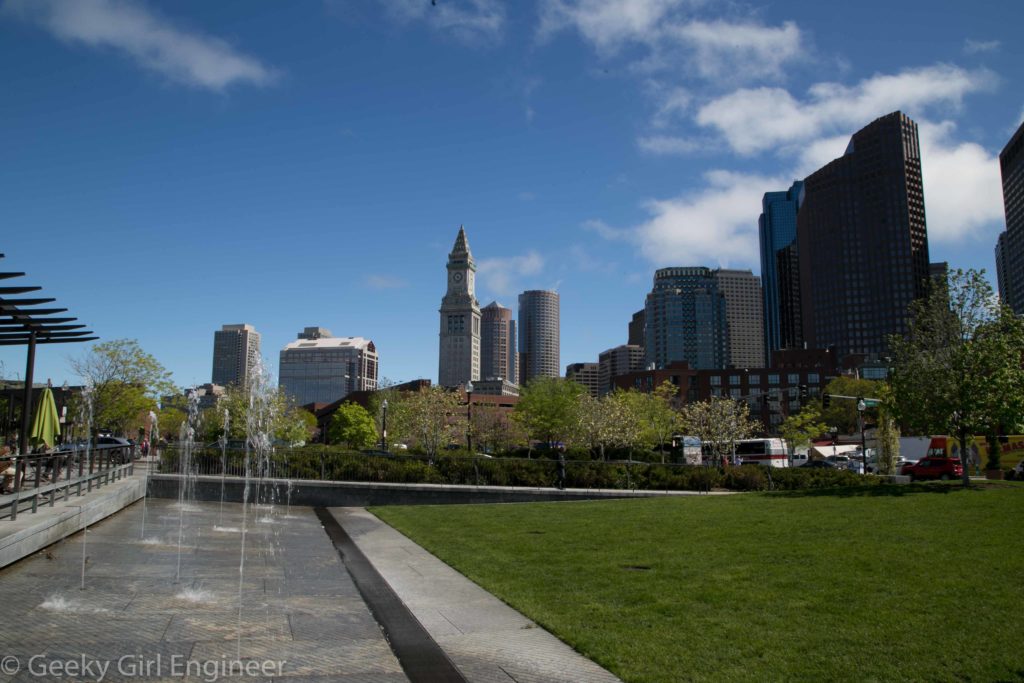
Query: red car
(934, 467)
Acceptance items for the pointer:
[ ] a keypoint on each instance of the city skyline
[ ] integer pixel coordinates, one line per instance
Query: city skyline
(159, 199)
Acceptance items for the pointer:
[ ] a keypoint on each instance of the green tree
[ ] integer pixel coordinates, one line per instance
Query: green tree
(842, 414)
(597, 419)
(126, 383)
(719, 423)
(431, 419)
(548, 408)
(959, 370)
(660, 416)
(352, 426)
(798, 429)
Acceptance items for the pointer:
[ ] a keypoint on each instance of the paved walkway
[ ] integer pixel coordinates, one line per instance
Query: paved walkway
(486, 639)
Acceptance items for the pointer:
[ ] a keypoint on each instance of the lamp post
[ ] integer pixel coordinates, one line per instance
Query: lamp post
(835, 435)
(384, 426)
(469, 417)
(861, 406)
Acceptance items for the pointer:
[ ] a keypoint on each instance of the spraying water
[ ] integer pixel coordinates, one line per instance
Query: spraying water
(85, 417)
(259, 421)
(153, 430)
(186, 488)
(223, 463)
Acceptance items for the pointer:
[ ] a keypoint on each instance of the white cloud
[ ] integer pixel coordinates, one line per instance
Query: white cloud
(672, 103)
(972, 47)
(962, 185)
(669, 145)
(753, 120)
(674, 40)
(716, 225)
(187, 57)
(501, 276)
(384, 282)
(476, 22)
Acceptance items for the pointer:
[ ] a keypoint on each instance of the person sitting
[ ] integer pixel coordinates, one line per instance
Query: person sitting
(8, 469)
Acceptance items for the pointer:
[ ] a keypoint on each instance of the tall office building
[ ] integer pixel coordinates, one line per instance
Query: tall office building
(539, 342)
(685, 320)
(744, 314)
(236, 348)
(617, 361)
(636, 329)
(586, 374)
(779, 268)
(1010, 249)
(459, 353)
(319, 368)
(498, 357)
(862, 240)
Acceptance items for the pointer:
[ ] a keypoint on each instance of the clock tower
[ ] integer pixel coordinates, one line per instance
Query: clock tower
(459, 354)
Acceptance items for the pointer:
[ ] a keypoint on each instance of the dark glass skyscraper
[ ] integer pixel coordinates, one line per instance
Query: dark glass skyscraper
(862, 240)
(1010, 248)
(498, 357)
(686, 320)
(777, 231)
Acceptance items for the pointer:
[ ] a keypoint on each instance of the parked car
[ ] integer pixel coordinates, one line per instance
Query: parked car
(819, 465)
(123, 454)
(933, 467)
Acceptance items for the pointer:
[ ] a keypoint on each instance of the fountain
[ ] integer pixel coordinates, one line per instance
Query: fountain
(186, 487)
(153, 429)
(86, 414)
(223, 463)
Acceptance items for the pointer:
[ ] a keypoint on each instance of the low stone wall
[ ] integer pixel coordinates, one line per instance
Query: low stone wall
(363, 494)
(32, 532)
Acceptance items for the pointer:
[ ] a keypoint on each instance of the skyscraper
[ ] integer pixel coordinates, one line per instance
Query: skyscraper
(617, 361)
(498, 357)
(319, 368)
(685, 320)
(1010, 249)
(862, 240)
(236, 348)
(539, 342)
(779, 273)
(459, 353)
(744, 311)
(586, 374)
(636, 329)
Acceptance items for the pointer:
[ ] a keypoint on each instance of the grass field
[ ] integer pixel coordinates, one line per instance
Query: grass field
(896, 583)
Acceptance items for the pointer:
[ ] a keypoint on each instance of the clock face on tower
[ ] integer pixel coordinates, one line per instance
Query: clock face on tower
(457, 277)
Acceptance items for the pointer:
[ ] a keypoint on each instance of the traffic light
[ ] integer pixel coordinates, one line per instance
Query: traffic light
(803, 394)
(826, 400)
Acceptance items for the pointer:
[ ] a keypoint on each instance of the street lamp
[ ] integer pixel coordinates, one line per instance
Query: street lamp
(835, 435)
(384, 427)
(861, 406)
(469, 417)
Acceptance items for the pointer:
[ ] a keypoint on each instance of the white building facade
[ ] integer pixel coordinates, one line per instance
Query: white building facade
(326, 368)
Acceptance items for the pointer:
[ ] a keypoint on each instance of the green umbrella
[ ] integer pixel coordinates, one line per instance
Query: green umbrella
(45, 423)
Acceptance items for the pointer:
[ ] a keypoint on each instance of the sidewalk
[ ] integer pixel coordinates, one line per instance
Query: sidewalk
(486, 639)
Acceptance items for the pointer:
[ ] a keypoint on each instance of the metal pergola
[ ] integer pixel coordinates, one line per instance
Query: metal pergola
(22, 324)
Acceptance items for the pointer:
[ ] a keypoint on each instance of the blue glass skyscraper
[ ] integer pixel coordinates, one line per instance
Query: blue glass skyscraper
(686, 320)
(777, 231)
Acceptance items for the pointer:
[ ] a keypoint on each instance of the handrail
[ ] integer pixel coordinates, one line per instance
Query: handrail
(53, 473)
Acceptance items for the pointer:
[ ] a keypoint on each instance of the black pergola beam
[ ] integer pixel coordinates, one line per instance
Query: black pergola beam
(18, 290)
(27, 302)
(4, 322)
(28, 314)
(5, 276)
(7, 328)
(42, 334)
(46, 341)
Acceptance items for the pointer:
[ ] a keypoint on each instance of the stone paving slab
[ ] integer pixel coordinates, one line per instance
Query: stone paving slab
(298, 602)
(485, 638)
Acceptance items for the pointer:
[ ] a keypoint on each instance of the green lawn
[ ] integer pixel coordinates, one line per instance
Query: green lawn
(898, 583)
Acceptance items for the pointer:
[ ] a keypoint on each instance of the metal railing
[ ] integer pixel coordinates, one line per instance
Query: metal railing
(42, 479)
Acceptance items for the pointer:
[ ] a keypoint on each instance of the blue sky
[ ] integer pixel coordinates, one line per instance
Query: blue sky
(166, 168)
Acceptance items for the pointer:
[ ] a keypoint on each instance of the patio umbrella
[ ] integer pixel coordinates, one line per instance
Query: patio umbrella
(45, 423)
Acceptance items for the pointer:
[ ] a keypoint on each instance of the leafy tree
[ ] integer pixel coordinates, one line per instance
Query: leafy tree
(842, 414)
(798, 429)
(629, 429)
(353, 426)
(493, 431)
(286, 421)
(661, 417)
(126, 382)
(959, 370)
(719, 423)
(597, 419)
(548, 408)
(431, 418)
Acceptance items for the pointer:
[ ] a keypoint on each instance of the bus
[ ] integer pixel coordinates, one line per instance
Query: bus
(768, 452)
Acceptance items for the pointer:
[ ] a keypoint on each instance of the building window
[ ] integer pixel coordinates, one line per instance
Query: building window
(734, 392)
(813, 378)
(734, 380)
(715, 380)
(793, 378)
(773, 380)
(754, 379)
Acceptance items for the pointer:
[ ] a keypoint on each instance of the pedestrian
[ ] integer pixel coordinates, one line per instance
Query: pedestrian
(560, 482)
